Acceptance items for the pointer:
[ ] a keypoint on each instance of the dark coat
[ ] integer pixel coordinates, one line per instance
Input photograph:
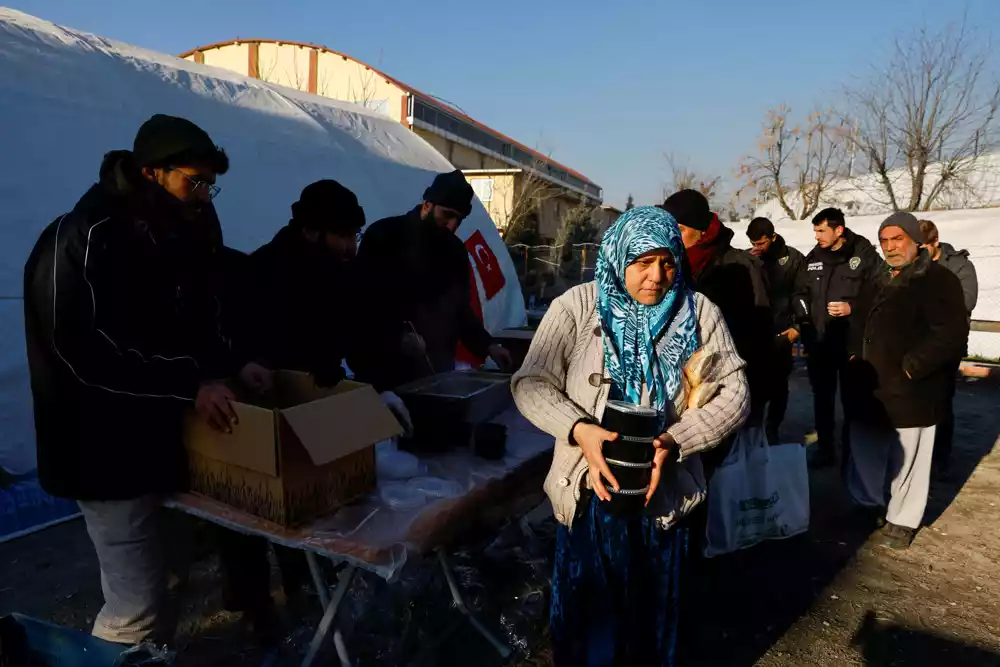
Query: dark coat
(838, 275)
(414, 272)
(958, 262)
(903, 357)
(734, 281)
(122, 324)
(787, 288)
(301, 310)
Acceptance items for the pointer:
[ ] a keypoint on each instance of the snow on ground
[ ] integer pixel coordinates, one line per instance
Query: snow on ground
(68, 97)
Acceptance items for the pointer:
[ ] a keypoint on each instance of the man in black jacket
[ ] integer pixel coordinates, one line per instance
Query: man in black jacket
(914, 325)
(415, 274)
(958, 262)
(785, 271)
(734, 281)
(838, 271)
(123, 334)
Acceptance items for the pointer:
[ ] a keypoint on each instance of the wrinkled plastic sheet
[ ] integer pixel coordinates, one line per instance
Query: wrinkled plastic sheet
(379, 532)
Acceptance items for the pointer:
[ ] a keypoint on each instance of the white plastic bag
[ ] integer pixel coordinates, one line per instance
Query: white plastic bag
(760, 492)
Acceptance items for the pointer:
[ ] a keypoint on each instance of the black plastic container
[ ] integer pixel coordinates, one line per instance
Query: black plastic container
(630, 457)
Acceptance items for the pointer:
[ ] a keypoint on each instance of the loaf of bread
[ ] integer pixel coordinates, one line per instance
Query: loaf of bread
(698, 368)
(702, 394)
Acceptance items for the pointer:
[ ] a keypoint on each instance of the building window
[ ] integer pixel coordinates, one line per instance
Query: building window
(483, 187)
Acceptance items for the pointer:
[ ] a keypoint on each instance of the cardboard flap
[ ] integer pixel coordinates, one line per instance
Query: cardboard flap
(250, 445)
(351, 418)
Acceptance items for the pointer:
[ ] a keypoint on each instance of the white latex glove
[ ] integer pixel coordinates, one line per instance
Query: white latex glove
(398, 409)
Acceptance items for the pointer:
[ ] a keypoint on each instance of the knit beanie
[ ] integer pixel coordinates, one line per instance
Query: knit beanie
(451, 190)
(164, 141)
(689, 208)
(329, 207)
(905, 221)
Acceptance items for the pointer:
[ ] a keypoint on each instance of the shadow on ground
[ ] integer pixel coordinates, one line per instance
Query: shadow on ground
(886, 644)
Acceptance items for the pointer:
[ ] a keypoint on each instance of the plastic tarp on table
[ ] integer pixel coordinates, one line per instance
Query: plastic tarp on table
(402, 517)
(66, 98)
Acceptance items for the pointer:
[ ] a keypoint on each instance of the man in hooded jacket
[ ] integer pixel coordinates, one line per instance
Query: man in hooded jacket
(958, 262)
(415, 274)
(124, 335)
(785, 270)
(734, 281)
(839, 271)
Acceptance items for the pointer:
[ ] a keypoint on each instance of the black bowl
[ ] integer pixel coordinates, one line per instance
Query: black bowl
(630, 456)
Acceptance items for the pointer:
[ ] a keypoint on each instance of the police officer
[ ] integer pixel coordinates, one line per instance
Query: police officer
(839, 270)
(785, 270)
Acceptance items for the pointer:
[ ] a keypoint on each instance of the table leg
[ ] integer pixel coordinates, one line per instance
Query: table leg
(330, 611)
(456, 594)
(318, 581)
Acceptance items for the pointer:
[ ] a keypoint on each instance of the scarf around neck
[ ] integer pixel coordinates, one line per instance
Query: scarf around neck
(644, 345)
(699, 255)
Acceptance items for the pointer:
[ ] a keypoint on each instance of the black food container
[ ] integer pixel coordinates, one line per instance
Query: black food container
(630, 457)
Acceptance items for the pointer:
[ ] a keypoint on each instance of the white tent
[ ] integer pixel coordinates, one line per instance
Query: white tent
(67, 97)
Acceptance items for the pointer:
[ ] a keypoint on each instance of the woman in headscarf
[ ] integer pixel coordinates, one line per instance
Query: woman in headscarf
(626, 336)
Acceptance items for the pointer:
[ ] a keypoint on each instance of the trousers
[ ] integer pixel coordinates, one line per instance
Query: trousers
(781, 369)
(127, 536)
(903, 456)
(827, 368)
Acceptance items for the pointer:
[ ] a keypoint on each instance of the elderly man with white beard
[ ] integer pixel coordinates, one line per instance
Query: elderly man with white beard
(915, 325)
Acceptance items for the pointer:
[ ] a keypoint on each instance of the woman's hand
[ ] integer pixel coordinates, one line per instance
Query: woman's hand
(590, 439)
(663, 444)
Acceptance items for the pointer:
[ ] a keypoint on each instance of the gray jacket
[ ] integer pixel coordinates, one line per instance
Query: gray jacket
(553, 390)
(958, 262)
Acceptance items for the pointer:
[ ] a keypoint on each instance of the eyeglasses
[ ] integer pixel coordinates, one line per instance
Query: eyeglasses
(200, 184)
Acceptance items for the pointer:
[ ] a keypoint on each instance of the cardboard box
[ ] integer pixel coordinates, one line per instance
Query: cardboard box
(299, 452)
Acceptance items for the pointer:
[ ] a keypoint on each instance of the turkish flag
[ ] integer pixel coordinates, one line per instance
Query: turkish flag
(487, 265)
(490, 274)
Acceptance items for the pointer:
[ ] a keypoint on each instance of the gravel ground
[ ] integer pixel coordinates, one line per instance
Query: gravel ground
(832, 597)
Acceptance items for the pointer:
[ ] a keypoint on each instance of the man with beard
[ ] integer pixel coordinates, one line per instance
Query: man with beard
(416, 276)
(734, 281)
(300, 310)
(123, 333)
(958, 262)
(785, 270)
(913, 325)
(839, 270)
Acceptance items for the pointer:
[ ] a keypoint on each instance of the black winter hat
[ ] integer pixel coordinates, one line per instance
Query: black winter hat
(328, 206)
(905, 221)
(168, 140)
(452, 191)
(689, 208)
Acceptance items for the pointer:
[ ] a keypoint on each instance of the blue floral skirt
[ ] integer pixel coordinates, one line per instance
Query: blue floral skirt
(616, 591)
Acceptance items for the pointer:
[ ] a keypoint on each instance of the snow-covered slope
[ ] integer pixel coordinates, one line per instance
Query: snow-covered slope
(67, 97)
(863, 195)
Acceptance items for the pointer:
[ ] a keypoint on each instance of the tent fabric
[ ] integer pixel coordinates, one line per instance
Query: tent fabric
(67, 97)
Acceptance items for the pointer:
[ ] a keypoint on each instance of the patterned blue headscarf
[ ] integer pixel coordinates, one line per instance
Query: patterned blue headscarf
(644, 344)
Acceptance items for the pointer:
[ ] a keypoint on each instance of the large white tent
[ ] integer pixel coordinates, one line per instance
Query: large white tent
(67, 97)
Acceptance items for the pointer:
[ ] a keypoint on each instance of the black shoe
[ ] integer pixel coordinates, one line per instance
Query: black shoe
(823, 458)
(897, 537)
(869, 516)
(773, 436)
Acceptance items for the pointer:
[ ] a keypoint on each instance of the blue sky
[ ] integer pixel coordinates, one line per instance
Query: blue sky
(607, 88)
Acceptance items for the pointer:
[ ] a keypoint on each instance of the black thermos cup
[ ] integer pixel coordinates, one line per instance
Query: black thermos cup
(630, 457)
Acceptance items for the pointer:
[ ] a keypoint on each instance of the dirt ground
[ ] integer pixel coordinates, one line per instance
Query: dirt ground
(829, 598)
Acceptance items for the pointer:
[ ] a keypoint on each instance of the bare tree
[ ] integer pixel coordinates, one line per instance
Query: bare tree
(926, 117)
(794, 164)
(683, 177)
(524, 208)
